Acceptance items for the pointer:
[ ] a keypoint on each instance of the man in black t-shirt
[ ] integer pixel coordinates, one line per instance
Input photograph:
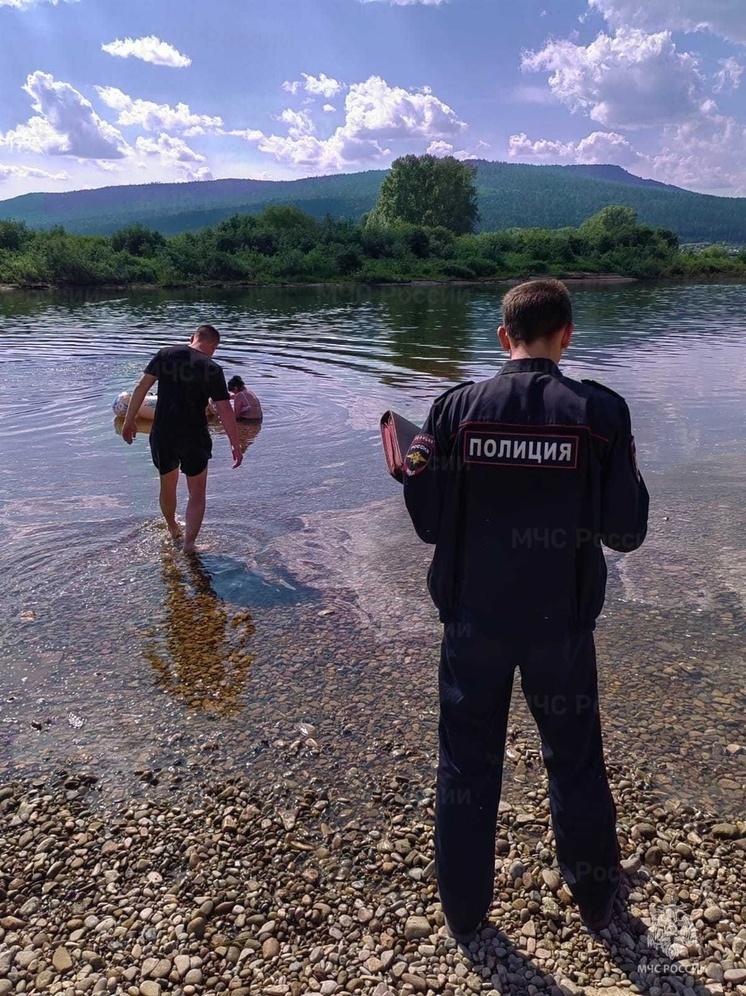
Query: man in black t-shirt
(187, 380)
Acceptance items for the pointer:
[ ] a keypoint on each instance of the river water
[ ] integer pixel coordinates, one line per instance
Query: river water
(301, 645)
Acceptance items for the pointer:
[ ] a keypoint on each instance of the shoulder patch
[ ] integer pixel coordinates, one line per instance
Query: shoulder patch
(419, 454)
(602, 387)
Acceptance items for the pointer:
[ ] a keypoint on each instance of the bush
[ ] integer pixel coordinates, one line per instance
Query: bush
(283, 243)
(23, 269)
(137, 240)
(348, 261)
(289, 264)
(481, 267)
(14, 235)
(380, 271)
(378, 243)
(451, 268)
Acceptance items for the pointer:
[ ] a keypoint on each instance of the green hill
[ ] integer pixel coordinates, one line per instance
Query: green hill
(511, 195)
(178, 207)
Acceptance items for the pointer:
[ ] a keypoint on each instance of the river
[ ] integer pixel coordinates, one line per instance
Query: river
(302, 644)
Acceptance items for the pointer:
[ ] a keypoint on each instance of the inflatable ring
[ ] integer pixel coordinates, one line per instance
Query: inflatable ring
(147, 409)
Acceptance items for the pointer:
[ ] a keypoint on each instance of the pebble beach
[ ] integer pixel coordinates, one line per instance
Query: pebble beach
(248, 892)
(311, 870)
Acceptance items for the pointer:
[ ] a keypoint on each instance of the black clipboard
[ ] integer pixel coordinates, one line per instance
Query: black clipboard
(397, 434)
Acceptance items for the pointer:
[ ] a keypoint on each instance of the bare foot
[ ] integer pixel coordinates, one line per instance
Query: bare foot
(189, 548)
(175, 530)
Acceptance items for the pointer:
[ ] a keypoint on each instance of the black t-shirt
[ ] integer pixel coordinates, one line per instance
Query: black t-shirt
(187, 380)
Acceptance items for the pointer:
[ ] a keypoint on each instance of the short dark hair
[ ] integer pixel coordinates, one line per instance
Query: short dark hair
(236, 384)
(535, 310)
(207, 333)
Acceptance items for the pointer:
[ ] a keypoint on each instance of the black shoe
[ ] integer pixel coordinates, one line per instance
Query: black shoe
(597, 918)
(463, 937)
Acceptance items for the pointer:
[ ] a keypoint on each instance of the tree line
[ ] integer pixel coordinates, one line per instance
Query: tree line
(422, 228)
(510, 195)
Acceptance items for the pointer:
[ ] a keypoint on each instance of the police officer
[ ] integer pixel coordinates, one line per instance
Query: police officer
(518, 480)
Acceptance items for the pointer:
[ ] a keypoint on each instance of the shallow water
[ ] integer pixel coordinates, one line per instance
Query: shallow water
(307, 608)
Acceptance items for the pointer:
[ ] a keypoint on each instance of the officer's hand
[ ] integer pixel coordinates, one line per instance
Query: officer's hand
(237, 456)
(129, 431)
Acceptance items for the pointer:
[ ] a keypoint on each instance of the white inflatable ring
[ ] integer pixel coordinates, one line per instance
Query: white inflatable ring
(147, 409)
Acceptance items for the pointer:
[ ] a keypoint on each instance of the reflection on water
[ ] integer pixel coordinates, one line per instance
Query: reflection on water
(199, 654)
(308, 603)
(235, 582)
(247, 432)
(325, 359)
(142, 425)
(430, 332)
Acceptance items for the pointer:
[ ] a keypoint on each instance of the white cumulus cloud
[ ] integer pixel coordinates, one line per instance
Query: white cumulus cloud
(440, 148)
(317, 86)
(636, 76)
(729, 76)
(726, 18)
(308, 151)
(23, 172)
(25, 4)
(149, 49)
(150, 116)
(329, 109)
(408, 3)
(176, 154)
(627, 80)
(599, 147)
(706, 153)
(322, 86)
(381, 112)
(478, 152)
(375, 114)
(299, 122)
(106, 166)
(65, 124)
(247, 134)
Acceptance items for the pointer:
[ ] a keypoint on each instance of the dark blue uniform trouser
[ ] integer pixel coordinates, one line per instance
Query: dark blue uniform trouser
(560, 685)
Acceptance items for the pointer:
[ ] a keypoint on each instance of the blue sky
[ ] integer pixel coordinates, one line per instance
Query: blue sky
(100, 92)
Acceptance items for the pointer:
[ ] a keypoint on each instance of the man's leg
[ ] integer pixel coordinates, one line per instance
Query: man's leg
(167, 499)
(560, 684)
(195, 510)
(166, 462)
(475, 680)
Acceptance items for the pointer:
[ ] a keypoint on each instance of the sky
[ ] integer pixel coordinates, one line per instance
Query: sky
(101, 92)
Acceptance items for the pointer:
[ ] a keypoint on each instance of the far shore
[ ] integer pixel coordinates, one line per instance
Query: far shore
(585, 279)
(573, 279)
(570, 278)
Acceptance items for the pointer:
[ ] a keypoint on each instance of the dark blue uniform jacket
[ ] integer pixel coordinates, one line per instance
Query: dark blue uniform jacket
(518, 480)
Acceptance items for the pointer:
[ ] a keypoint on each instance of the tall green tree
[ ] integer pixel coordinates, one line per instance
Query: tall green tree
(610, 220)
(427, 190)
(13, 234)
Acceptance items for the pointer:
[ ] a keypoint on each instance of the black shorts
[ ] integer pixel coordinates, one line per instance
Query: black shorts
(190, 455)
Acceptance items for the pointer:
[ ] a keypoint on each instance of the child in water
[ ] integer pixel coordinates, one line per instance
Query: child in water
(246, 405)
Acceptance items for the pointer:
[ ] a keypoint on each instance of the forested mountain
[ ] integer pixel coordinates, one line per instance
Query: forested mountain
(617, 175)
(179, 207)
(511, 195)
(516, 195)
